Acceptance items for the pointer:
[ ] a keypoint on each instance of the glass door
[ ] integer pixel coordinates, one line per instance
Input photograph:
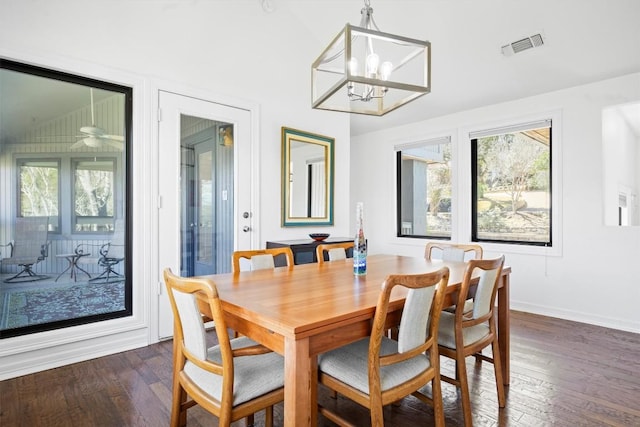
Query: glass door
(205, 189)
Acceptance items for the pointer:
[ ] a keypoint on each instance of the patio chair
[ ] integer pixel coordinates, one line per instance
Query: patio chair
(109, 255)
(29, 246)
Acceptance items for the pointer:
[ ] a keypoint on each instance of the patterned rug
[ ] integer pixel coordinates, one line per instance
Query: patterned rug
(35, 306)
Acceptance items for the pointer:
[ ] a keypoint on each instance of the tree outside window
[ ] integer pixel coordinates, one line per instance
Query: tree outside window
(93, 190)
(512, 187)
(39, 190)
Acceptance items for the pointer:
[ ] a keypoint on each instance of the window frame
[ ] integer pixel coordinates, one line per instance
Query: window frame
(74, 161)
(461, 179)
(473, 140)
(398, 164)
(124, 181)
(23, 161)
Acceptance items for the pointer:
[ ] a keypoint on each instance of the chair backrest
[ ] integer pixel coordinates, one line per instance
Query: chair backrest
(336, 251)
(115, 248)
(260, 259)
(489, 271)
(30, 238)
(421, 313)
(189, 329)
(452, 251)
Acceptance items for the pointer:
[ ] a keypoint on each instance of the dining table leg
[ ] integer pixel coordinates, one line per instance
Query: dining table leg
(504, 328)
(297, 383)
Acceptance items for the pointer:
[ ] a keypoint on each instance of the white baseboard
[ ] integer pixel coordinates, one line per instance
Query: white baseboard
(576, 316)
(27, 358)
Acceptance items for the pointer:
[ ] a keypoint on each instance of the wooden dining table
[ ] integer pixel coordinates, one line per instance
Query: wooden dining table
(308, 309)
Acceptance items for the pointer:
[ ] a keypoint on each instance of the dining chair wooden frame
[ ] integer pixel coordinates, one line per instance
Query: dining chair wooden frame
(411, 349)
(466, 333)
(248, 254)
(327, 247)
(458, 254)
(466, 248)
(207, 375)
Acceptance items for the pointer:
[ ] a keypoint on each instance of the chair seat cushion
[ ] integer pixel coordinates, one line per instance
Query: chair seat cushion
(349, 364)
(446, 331)
(254, 376)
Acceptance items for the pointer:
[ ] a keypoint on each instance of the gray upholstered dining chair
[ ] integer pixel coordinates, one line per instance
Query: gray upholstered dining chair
(452, 251)
(335, 251)
(260, 259)
(378, 370)
(466, 333)
(231, 380)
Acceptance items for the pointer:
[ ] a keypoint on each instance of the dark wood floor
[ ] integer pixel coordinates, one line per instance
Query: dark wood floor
(563, 374)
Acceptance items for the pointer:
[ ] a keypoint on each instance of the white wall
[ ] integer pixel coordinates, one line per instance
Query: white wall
(594, 278)
(620, 160)
(223, 48)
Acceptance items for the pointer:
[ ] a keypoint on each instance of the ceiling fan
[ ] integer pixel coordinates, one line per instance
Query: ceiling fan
(95, 137)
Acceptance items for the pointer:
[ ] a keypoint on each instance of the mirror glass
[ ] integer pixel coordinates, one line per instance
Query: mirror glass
(307, 178)
(620, 154)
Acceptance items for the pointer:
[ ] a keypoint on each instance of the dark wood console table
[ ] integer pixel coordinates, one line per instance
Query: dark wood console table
(304, 250)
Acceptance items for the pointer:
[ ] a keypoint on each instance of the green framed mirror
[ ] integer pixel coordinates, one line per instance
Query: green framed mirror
(307, 178)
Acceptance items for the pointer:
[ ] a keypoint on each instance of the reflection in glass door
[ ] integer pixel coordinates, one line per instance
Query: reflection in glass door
(204, 211)
(206, 197)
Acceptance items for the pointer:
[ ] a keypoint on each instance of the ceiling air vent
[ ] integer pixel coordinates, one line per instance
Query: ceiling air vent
(522, 45)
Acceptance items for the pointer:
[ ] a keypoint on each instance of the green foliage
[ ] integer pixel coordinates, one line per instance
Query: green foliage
(491, 220)
(513, 163)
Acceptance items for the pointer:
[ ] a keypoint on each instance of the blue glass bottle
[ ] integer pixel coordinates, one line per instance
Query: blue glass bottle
(359, 244)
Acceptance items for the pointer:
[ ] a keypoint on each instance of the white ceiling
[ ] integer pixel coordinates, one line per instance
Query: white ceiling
(28, 101)
(585, 41)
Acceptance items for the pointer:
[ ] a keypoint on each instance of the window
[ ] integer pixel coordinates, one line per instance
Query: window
(511, 184)
(65, 147)
(424, 189)
(38, 187)
(93, 195)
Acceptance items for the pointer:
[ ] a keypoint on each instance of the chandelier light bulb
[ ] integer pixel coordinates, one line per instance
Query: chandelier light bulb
(385, 70)
(373, 60)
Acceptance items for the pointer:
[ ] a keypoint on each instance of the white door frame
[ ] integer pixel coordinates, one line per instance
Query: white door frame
(155, 281)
